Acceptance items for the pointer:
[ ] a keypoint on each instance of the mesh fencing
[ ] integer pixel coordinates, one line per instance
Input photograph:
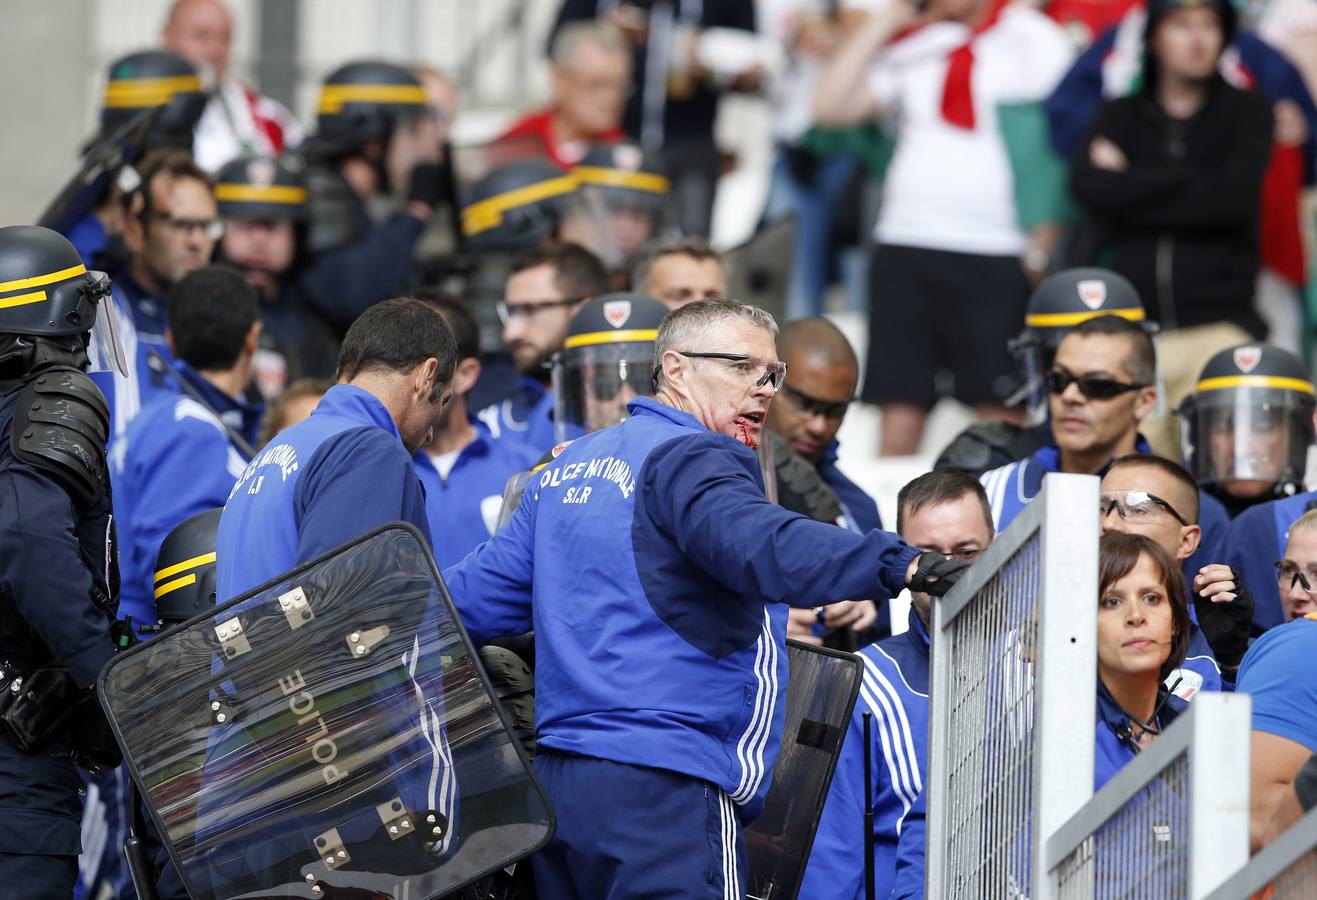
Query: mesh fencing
(1286, 869)
(1141, 851)
(989, 751)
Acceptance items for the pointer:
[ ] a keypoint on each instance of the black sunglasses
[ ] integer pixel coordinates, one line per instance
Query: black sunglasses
(812, 406)
(1091, 386)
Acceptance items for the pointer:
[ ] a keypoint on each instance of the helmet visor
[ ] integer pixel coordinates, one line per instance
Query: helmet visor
(104, 348)
(593, 384)
(512, 494)
(1033, 360)
(1249, 439)
(615, 222)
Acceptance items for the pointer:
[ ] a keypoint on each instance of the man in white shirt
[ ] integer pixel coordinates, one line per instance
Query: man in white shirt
(237, 121)
(950, 273)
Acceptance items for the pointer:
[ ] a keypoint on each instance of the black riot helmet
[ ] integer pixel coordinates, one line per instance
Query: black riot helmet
(258, 187)
(185, 569)
(150, 79)
(1057, 305)
(52, 310)
(361, 102)
(515, 207)
(1247, 427)
(606, 361)
(621, 203)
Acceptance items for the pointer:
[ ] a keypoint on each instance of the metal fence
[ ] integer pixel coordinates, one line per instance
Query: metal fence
(1013, 692)
(1286, 869)
(1173, 823)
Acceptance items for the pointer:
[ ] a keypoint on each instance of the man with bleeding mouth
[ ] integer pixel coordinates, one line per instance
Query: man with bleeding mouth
(657, 575)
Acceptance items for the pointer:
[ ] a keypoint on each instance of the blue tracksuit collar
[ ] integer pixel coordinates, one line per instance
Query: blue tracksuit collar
(650, 406)
(352, 402)
(830, 454)
(245, 418)
(919, 635)
(1110, 712)
(1049, 456)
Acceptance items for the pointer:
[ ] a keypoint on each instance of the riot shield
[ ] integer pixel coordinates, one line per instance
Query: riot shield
(330, 733)
(821, 692)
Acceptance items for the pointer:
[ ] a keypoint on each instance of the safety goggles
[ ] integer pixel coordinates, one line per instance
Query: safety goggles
(812, 406)
(1092, 387)
(774, 373)
(1289, 574)
(211, 229)
(1138, 506)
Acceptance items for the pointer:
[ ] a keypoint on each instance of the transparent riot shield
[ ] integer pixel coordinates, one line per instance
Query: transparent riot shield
(821, 691)
(328, 734)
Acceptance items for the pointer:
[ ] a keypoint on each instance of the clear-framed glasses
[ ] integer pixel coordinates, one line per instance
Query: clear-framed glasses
(1290, 573)
(211, 229)
(509, 311)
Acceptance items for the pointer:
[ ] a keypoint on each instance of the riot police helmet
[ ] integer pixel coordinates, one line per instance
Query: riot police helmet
(1247, 427)
(621, 203)
(52, 309)
(606, 362)
(361, 102)
(1059, 303)
(154, 79)
(515, 207)
(261, 188)
(184, 581)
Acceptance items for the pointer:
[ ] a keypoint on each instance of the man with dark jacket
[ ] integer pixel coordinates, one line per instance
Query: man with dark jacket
(1172, 175)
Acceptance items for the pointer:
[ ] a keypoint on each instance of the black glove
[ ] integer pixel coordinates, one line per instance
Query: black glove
(425, 184)
(936, 574)
(1226, 625)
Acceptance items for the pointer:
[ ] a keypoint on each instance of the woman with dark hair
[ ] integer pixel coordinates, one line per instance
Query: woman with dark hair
(1143, 634)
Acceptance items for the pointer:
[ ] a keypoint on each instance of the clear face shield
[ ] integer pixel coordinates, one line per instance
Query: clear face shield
(1248, 440)
(104, 348)
(1033, 357)
(614, 222)
(593, 384)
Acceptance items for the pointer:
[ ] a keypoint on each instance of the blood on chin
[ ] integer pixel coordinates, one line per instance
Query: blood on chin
(746, 432)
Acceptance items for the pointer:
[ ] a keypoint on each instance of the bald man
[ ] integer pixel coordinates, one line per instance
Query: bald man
(237, 121)
(822, 372)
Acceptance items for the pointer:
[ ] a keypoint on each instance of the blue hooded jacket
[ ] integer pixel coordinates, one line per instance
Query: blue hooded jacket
(655, 573)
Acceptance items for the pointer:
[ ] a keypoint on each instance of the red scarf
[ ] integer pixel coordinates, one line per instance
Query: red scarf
(957, 97)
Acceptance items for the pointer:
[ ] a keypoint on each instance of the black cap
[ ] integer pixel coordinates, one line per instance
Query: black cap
(258, 187)
(615, 319)
(363, 101)
(150, 79)
(515, 207)
(1067, 298)
(185, 568)
(1255, 366)
(45, 290)
(1157, 9)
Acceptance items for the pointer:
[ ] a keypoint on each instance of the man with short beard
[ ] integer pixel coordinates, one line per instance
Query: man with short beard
(263, 204)
(546, 287)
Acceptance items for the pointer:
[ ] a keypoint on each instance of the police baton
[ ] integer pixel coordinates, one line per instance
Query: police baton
(870, 885)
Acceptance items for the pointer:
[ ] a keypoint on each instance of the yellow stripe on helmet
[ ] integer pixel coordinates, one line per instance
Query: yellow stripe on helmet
(39, 280)
(637, 181)
(22, 299)
(171, 586)
(611, 337)
(195, 562)
(488, 213)
(333, 97)
(146, 92)
(254, 193)
(1279, 382)
(1063, 320)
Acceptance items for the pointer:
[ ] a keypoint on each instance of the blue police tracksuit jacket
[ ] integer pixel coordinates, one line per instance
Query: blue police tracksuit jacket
(128, 394)
(176, 460)
(463, 507)
(525, 417)
(1255, 540)
(1011, 487)
(895, 692)
(655, 573)
(1113, 749)
(858, 509)
(315, 486)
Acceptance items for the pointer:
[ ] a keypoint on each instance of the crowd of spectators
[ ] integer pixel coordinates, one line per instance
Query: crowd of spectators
(974, 152)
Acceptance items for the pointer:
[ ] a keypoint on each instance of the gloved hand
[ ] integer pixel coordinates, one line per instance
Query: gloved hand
(1225, 612)
(935, 574)
(425, 185)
